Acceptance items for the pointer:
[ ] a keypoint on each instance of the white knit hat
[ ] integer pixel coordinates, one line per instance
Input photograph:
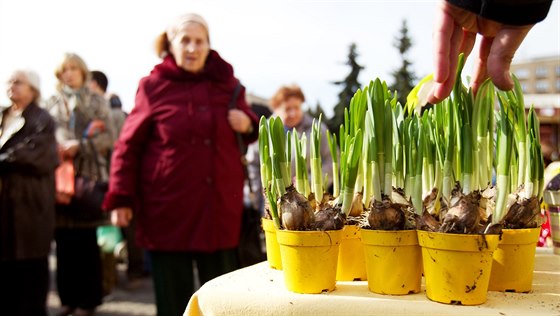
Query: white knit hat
(32, 79)
(181, 21)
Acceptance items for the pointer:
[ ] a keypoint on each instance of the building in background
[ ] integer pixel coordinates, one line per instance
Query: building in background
(540, 81)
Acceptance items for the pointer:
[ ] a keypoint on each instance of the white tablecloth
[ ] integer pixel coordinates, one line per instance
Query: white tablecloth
(259, 290)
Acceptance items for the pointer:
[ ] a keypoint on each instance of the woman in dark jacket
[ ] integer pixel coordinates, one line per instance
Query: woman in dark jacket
(28, 159)
(177, 164)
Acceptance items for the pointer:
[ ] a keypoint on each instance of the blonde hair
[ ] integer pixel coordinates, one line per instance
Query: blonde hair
(71, 58)
(284, 93)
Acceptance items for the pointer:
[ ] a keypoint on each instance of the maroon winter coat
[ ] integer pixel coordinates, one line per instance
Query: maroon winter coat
(177, 162)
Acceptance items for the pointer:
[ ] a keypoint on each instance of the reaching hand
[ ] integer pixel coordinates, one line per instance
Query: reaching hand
(455, 32)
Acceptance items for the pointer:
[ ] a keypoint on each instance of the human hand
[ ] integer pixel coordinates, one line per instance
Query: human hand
(455, 32)
(63, 198)
(68, 149)
(94, 127)
(121, 216)
(239, 121)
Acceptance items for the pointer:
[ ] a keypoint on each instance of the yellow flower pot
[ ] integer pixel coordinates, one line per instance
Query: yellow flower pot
(272, 247)
(393, 261)
(457, 266)
(351, 261)
(514, 260)
(309, 259)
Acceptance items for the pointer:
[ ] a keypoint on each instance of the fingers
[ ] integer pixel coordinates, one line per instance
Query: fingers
(238, 120)
(504, 46)
(480, 67)
(443, 33)
(469, 38)
(442, 88)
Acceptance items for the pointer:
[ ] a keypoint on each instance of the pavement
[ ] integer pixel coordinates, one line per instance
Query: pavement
(126, 299)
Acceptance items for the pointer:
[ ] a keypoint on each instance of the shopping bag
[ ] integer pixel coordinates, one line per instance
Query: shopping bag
(64, 178)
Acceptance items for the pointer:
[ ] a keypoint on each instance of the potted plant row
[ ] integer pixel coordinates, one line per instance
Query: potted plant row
(412, 192)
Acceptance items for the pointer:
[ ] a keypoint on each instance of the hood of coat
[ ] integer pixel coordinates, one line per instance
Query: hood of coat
(215, 69)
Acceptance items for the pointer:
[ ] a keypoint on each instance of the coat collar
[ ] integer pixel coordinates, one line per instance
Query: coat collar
(15, 126)
(215, 69)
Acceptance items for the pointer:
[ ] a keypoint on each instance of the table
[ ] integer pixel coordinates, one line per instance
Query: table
(259, 290)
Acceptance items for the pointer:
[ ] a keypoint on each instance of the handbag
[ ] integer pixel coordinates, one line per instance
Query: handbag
(86, 203)
(251, 238)
(64, 178)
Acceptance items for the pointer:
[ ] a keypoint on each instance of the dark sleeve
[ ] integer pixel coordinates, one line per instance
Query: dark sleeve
(125, 162)
(37, 153)
(512, 12)
(243, 106)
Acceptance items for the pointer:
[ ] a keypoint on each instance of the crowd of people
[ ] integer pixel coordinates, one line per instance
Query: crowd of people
(172, 164)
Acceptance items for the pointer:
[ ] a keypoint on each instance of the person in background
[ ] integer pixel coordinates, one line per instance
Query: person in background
(28, 159)
(287, 104)
(254, 197)
(81, 116)
(176, 166)
(134, 255)
(503, 26)
(98, 84)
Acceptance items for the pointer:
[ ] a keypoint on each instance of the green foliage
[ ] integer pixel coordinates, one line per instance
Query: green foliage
(318, 111)
(404, 77)
(350, 85)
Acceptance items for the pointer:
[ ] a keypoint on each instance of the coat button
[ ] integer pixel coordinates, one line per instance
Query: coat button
(207, 141)
(208, 180)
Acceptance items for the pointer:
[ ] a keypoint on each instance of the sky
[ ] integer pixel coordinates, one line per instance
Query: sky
(269, 43)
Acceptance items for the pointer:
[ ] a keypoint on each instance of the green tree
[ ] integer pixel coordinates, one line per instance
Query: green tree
(349, 85)
(317, 111)
(404, 77)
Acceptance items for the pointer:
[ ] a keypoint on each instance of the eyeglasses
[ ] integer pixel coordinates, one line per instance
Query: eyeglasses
(15, 82)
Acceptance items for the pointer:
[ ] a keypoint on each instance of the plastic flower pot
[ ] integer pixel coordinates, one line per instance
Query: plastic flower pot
(393, 261)
(457, 266)
(514, 260)
(272, 247)
(309, 259)
(351, 261)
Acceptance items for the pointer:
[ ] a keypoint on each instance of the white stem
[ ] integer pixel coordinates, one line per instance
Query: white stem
(376, 185)
(388, 189)
(347, 198)
(368, 184)
(467, 177)
(521, 168)
(502, 186)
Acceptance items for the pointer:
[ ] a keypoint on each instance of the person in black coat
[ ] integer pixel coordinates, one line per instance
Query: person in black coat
(28, 158)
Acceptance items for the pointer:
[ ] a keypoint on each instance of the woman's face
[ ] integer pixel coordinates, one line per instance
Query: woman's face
(72, 75)
(290, 111)
(190, 47)
(19, 90)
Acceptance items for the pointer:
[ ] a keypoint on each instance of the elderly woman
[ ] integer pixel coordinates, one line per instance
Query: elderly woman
(27, 162)
(81, 117)
(287, 104)
(177, 167)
